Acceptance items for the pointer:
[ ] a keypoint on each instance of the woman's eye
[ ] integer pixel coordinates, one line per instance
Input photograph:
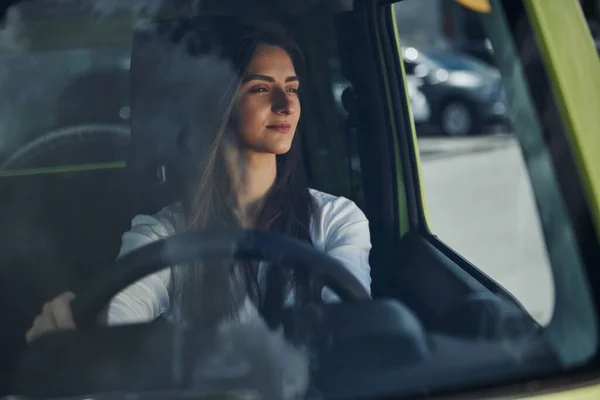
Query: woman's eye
(259, 89)
(292, 90)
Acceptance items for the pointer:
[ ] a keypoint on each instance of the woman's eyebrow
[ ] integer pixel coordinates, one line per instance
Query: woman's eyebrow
(266, 78)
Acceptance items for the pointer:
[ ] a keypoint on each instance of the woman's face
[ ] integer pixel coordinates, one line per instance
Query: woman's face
(267, 107)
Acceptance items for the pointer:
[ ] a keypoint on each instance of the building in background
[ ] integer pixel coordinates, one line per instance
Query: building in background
(424, 32)
(442, 25)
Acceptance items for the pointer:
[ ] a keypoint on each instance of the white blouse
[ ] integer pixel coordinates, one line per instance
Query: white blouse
(338, 227)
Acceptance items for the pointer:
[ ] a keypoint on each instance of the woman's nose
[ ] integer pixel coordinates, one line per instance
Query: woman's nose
(282, 102)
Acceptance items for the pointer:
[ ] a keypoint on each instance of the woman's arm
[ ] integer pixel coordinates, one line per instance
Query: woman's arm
(147, 298)
(347, 238)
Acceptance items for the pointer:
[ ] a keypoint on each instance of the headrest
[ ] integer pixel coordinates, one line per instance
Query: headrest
(182, 82)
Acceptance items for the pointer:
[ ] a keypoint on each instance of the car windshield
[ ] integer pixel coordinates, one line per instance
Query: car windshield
(227, 199)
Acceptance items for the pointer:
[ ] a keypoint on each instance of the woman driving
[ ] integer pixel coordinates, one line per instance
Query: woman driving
(241, 169)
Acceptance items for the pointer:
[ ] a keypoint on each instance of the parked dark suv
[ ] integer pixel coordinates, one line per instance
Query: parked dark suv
(465, 95)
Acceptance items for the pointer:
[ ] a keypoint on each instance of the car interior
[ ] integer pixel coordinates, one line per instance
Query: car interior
(67, 197)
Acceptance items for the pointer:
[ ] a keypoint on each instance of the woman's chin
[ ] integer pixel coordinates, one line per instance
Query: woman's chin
(277, 147)
(280, 148)
(281, 152)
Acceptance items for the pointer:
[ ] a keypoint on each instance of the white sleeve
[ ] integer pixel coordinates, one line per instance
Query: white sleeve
(148, 298)
(348, 240)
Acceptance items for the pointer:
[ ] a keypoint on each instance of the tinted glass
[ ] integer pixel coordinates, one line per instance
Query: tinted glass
(126, 124)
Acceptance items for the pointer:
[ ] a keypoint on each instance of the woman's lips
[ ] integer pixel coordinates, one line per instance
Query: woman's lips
(282, 128)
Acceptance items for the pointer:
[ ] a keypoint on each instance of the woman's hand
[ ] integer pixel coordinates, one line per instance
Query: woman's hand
(56, 315)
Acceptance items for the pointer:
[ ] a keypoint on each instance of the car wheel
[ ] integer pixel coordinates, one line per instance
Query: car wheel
(456, 118)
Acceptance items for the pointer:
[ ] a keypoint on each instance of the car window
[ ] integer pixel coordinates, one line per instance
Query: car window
(102, 107)
(68, 179)
(531, 201)
(485, 196)
(522, 214)
(478, 192)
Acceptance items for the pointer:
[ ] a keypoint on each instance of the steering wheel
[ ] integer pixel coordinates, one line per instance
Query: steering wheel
(72, 145)
(201, 245)
(133, 357)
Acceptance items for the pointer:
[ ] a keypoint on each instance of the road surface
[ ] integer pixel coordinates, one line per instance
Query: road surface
(480, 203)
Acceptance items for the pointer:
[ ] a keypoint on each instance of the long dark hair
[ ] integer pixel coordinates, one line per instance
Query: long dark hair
(209, 293)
